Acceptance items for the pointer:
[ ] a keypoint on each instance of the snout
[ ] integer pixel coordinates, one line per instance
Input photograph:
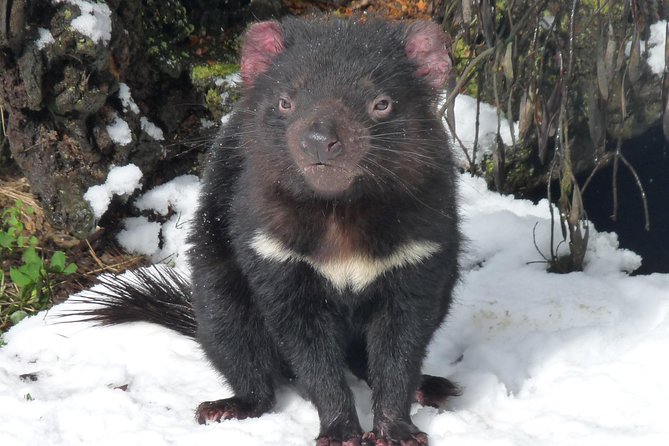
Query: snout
(326, 144)
(321, 142)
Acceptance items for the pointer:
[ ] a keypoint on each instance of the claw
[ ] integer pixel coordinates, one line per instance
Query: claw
(370, 439)
(416, 439)
(226, 409)
(327, 441)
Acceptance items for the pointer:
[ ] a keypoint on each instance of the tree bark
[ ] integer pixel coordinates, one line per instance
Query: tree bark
(61, 90)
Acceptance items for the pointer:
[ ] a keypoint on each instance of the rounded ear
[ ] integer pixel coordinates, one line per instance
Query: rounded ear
(262, 42)
(426, 45)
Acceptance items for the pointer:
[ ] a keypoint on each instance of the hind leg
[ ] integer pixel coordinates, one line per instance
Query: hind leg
(235, 339)
(433, 391)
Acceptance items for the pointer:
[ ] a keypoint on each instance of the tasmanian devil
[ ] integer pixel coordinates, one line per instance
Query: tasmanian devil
(326, 235)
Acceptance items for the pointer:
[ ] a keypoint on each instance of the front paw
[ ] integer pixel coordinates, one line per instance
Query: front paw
(341, 434)
(395, 433)
(333, 441)
(226, 409)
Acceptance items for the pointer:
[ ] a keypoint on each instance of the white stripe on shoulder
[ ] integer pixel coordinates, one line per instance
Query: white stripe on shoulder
(354, 272)
(270, 248)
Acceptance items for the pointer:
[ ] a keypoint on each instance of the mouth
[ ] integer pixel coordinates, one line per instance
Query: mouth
(320, 167)
(327, 179)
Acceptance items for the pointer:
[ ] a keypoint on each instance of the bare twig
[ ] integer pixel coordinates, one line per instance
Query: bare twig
(2, 120)
(477, 123)
(97, 260)
(465, 77)
(603, 161)
(550, 204)
(534, 240)
(644, 199)
(614, 182)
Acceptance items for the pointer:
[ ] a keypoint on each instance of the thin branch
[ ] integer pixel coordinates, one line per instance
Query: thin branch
(2, 120)
(550, 203)
(600, 164)
(606, 159)
(644, 199)
(509, 117)
(477, 123)
(464, 78)
(614, 185)
(534, 240)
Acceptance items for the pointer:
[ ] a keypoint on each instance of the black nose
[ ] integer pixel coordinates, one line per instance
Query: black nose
(321, 142)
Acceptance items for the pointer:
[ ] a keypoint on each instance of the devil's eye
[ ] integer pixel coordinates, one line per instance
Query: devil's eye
(285, 104)
(381, 104)
(381, 107)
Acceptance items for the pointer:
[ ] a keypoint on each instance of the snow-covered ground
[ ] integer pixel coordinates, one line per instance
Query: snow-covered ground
(545, 359)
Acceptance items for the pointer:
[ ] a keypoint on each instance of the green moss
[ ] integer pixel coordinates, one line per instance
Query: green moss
(519, 175)
(519, 169)
(167, 29)
(213, 98)
(488, 166)
(204, 73)
(463, 54)
(215, 103)
(218, 97)
(604, 8)
(167, 19)
(85, 45)
(501, 8)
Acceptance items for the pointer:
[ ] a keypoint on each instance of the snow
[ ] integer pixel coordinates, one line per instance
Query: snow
(151, 129)
(121, 180)
(544, 359)
(45, 38)
(226, 118)
(465, 127)
(125, 96)
(654, 47)
(141, 236)
(119, 131)
(99, 199)
(231, 80)
(94, 21)
(206, 123)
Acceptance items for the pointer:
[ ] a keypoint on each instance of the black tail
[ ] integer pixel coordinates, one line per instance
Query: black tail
(158, 294)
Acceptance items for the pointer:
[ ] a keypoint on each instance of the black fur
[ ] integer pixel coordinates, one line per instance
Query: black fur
(261, 319)
(158, 295)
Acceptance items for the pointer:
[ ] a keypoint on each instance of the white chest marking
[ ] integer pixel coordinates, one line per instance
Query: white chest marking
(354, 272)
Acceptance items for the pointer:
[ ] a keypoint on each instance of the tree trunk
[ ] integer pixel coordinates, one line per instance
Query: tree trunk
(67, 71)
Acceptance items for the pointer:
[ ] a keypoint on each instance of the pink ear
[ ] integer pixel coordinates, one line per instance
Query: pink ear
(262, 42)
(426, 45)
